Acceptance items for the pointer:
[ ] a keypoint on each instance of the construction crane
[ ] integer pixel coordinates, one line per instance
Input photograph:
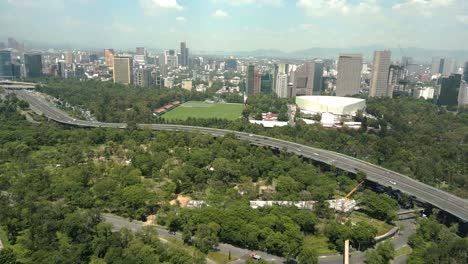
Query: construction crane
(353, 190)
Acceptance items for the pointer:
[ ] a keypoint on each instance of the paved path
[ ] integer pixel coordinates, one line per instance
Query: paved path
(242, 254)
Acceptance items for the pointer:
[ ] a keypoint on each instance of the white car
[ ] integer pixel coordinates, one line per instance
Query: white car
(392, 182)
(255, 256)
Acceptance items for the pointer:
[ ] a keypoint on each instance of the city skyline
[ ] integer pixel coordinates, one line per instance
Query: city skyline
(239, 25)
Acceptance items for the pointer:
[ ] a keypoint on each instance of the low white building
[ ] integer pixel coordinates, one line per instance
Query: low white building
(424, 92)
(330, 104)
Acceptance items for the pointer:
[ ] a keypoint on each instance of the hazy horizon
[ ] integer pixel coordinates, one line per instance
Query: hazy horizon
(239, 25)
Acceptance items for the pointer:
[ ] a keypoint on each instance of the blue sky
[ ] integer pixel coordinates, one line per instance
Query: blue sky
(238, 25)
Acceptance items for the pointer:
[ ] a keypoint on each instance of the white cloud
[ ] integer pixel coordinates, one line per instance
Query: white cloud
(180, 19)
(423, 7)
(151, 6)
(320, 8)
(220, 13)
(248, 2)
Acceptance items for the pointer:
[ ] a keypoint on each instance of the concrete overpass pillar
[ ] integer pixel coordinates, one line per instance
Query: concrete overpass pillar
(346, 252)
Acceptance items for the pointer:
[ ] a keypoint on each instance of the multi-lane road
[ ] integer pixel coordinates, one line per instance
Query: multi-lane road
(423, 192)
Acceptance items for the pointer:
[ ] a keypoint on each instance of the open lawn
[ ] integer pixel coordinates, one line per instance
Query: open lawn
(381, 226)
(205, 110)
(320, 243)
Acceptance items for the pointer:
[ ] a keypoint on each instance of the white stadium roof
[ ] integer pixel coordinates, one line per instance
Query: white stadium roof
(331, 104)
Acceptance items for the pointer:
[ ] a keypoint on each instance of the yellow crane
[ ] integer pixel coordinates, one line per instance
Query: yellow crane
(353, 190)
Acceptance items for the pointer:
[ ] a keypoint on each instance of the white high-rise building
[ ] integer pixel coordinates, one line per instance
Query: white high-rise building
(282, 85)
(349, 74)
(380, 70)
(463, 95)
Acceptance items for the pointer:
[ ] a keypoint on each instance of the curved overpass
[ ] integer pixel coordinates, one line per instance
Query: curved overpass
(443, 200)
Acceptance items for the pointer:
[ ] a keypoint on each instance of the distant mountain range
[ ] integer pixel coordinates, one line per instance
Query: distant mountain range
(418, 54)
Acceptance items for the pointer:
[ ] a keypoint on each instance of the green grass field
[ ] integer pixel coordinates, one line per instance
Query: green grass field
(205, 110)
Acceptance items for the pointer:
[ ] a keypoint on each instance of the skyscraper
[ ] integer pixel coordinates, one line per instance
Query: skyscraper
(380, 69)
(282, 85)
(449, 90)
(143, 77)
(170, 59)
(140, 51)
(465, 72)
(250, 79)
(349, 74)
(443, 66)
(184, 54)
(257, 83)
(33, 65)
(6, 69)
(109, 54)
(123, 70)
(266, 83)
(231, 64)
(318, 77)
(463, 95)
(304, 79)
(435, 66)
(395, 75)
(69, 58)
(447, 66)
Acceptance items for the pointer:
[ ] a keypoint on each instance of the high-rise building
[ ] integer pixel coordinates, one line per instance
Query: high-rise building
(318, 77)
(109, 55)
(304, 79)
(265, 86)
(231, 64)
(349, 74)
(465, 72)
(463, 95)
(396, 74)
(257, 83)
(184, 54)
(61, 69)
(449, 90)
(6, 69)
(443, 66)
(69, 58)
(435, 66)
(143, 77)
(447, 66)
(379, 79)
(33, 65)
(93, 58)
(277, 70)
(140, 51)
(250, 79)
(282, 85)
(123, 70)
(170, 59)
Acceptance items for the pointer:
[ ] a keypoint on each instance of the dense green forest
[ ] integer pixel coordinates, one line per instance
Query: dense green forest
(435, 243)
(417, 138)
(56, 180)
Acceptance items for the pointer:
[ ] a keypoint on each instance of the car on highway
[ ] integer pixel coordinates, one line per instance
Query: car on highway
(392, 182)
(255, 256)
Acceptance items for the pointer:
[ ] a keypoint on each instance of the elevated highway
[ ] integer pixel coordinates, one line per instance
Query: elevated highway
(423, 192)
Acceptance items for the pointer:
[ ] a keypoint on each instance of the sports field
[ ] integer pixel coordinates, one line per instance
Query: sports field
(205, 110)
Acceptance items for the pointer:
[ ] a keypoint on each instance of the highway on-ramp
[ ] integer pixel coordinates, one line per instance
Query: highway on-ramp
(423, 192)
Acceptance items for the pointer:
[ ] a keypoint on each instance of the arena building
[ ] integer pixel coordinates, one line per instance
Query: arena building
(336, 105)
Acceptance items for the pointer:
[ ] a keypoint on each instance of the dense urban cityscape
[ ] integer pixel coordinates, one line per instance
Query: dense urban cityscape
(168, 152)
